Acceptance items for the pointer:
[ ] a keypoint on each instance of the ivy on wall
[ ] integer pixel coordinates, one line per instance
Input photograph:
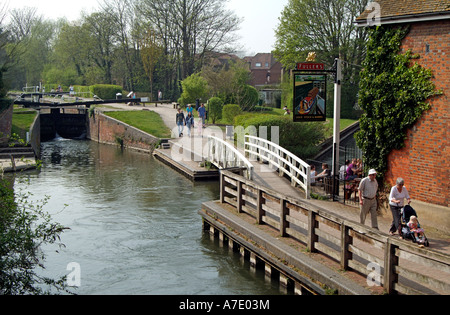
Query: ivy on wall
(393, 91)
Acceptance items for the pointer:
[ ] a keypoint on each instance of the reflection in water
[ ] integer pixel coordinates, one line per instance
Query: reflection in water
(134, 225)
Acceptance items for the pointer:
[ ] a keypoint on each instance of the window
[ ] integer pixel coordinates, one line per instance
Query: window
(258, 64)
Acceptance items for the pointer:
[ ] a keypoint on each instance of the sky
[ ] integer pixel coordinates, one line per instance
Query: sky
(257, 33)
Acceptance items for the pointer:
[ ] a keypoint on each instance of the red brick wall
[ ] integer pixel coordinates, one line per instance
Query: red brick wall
(424, 163)
(104, 129)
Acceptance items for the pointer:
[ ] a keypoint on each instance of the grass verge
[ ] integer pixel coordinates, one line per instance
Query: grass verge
(147, 121)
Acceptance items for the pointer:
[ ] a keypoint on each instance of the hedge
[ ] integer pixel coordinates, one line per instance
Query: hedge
(300, 139)
(230, 111)
(105, 91)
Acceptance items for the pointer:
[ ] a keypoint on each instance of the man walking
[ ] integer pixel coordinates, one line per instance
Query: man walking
(368, 198)
(202, 114)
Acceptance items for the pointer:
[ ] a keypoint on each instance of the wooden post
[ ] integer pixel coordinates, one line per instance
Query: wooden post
(283, 222)
(239, 196)
(312, 236)
(259, 208)
(390, 261)
(222, 187)
(346, 240)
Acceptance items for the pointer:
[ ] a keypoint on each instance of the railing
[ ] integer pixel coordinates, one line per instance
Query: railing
(224, 155)
(399, 266)
(298, 171)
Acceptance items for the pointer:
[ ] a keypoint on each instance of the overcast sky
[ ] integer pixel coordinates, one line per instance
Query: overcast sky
(260, 17)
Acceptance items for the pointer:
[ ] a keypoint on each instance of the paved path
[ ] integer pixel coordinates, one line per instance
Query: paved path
(439, 239)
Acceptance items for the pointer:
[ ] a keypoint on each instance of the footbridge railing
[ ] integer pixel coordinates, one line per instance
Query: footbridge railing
(224, 156)
(287, 163)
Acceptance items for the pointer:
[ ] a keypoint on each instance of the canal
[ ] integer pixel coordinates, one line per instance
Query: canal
(134, 227)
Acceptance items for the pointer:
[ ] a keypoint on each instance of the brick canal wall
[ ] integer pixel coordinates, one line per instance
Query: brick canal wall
(104, 129)
(425, 159)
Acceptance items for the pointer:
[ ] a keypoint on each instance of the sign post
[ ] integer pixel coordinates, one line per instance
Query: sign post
(337, 117)
(310, 80)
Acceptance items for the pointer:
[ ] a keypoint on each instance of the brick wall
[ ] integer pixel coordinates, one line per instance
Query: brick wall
(104, 129)
(424, 163)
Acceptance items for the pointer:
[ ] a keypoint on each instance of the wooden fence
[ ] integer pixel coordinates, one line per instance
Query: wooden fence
(399, 266)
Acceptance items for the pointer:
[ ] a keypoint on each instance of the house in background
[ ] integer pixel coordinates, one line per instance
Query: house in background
(267, 75)
(424, 162)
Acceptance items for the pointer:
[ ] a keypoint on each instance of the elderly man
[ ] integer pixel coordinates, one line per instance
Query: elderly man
(368, 198)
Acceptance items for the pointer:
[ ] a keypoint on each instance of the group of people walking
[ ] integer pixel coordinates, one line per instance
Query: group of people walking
(188, 120)
(398, 195)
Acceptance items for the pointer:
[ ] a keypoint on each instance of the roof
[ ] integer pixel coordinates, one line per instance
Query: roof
(265, 61)
(406, 11)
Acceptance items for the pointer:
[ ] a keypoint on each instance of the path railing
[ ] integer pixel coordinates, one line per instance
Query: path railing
(287, 163)
(399, 266)
(224, 156)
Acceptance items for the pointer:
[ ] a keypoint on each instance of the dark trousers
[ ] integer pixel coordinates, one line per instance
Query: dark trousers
(396, 223)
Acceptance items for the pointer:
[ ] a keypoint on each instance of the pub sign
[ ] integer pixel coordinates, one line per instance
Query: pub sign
(309, 95)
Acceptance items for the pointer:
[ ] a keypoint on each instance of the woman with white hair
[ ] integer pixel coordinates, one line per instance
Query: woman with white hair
(396, 202)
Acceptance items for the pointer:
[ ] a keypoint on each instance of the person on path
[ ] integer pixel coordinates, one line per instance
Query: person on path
(190, 109)
(189, 123)
(181, 121)
(202, 114)
(367, 192)
(396, 202)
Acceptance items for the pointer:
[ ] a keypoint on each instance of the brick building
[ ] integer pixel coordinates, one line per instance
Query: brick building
(265, 69)
(424, 162)
(267, 75)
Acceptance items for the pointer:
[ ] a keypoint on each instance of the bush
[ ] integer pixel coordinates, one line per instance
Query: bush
(299, 138)
(249, 97)
(230, 111)
(105, 91)
(215, 106)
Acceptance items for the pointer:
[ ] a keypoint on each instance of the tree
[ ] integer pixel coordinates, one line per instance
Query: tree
(191, 28)
(122, 16)
(151, 51)
(24, 228)
(325, 27)
(215, 107)
(194, 87)
(230, 83)
(100, 28)
(29, 41)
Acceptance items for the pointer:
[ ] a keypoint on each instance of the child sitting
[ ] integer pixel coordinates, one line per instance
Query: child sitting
(415, 228)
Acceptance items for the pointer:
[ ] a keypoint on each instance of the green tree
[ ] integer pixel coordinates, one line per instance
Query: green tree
(151, 51)
(325, 27)
(194, 87)
(24, 228)
(215, 107)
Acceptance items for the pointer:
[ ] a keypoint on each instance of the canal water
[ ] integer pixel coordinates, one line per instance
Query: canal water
(134, 227)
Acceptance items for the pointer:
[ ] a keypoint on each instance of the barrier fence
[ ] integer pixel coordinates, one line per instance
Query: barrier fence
(397, 265)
